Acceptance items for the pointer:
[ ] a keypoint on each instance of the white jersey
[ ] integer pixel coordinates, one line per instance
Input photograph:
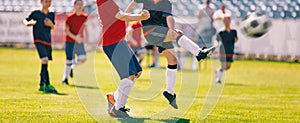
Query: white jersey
(218, 18)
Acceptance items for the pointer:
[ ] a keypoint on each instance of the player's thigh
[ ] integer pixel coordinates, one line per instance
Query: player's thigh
(44, 51)
(171, 36)
(123, 59)
(79, 50)
(69, 48)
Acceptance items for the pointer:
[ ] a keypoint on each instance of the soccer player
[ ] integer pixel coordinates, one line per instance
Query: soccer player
(42, 22)
(75, 33)
(159, 30)
(119, 53)
(219, 15)
(227, 38)
(136, 40)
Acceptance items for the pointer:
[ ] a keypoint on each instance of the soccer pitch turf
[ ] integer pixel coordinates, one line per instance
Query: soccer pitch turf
(254, 91)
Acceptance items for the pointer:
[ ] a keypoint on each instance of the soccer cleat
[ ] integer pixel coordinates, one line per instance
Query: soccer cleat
(71, 73)
(50, 89)
(65, 81)
(121, 113)
(42, 88)
(171, 98)
(204, 53)
(110, 101)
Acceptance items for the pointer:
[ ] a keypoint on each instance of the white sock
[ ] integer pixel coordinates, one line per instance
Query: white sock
(171, 80)
(121, 95)
(194, 63)
(189, 45)
(220, 73)
(67, 69)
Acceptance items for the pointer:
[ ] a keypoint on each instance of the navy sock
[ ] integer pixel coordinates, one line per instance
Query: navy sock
(172, 66)
(44, 75)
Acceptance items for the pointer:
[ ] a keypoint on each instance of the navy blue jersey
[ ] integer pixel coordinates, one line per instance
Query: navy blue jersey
(41, 33)
(228, 40)
(158, 10)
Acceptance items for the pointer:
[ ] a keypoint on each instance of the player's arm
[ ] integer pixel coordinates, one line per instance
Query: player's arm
(29, 21)
(85, 33)
(49, 23)
(77, 38)
(130, 6)
(144, 15)
(235, 38)
(130, 36)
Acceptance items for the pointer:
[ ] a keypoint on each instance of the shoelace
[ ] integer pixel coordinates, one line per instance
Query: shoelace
(124, 109)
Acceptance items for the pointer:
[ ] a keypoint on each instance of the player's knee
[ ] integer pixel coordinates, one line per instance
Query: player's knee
(228, 67)
(138, 74)
(82, 58)
(44, 60)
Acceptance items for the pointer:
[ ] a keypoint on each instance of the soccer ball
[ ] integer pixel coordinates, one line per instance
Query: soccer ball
(255, 25)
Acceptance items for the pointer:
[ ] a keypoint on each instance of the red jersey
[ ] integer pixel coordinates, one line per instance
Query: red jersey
(137, 33)
(75, 23)
(114, 30)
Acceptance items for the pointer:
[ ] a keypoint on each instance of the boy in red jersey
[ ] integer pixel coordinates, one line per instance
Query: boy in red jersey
(119, 53)
(42, 22)
(75, 31)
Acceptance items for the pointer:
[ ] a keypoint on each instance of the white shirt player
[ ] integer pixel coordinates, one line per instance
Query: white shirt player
(218, 17)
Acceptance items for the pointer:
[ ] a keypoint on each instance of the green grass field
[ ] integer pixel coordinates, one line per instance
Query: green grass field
(254, 91)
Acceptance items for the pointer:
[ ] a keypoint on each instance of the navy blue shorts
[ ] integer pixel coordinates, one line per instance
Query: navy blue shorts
(44, 51)
(73, 49)
(123, 59)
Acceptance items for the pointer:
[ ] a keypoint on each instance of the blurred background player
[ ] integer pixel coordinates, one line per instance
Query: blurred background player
(119, 53)
(219, 15)
(42, 22)
(226, 38)
(75, 34)
(159, 30)
(136, 39)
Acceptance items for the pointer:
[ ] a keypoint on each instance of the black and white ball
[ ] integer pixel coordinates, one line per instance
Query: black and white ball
(255, 25)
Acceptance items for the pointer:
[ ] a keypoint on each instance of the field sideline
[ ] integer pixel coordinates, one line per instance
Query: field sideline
(254, 91)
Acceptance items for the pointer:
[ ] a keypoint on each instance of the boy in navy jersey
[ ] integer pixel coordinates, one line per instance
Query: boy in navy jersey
(159, 31)
(42, 22)
(227, 38)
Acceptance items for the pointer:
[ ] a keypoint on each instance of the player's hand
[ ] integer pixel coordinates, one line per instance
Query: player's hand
(79, 39)
(145, 15)
(178, 31)
(29, 23)
(48, 22)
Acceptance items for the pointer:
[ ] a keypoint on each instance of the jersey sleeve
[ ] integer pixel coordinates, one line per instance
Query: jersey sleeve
(218, 38)
(235, 34)
(31, 16)
(53, 17)
(108, 8)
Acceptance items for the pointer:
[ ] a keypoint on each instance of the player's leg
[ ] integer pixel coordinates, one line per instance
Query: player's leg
(45, 54)
(188, 44)
(171, 76)
(225, 65)
(128, 68)
(79, 50)
(69, 46)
